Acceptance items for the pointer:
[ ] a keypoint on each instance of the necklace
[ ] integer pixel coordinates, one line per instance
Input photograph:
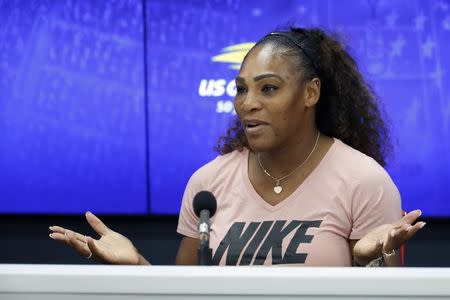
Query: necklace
(277, 188)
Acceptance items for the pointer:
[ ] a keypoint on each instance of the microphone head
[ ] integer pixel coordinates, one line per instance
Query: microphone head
(205, 200)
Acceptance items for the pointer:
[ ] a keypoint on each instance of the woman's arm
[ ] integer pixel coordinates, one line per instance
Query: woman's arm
(187, 252)
(391, 261)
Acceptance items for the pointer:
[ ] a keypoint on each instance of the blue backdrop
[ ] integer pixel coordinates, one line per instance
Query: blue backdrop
(110, 108)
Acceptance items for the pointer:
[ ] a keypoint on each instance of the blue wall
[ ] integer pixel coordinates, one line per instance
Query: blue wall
(102, 106)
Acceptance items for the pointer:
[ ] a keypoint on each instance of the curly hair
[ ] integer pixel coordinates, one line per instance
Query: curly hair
(347, 109)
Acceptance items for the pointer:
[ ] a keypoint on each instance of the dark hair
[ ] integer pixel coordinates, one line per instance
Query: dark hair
(347, 109)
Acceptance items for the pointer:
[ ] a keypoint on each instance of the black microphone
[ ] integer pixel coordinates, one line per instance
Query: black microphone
(204, 207)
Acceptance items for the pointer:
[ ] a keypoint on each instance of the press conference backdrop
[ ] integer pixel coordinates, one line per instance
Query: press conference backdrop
(110, 106)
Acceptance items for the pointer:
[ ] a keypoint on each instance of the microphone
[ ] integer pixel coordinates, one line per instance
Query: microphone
(204, 207)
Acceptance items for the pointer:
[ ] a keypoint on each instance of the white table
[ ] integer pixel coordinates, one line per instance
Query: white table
(175, 282)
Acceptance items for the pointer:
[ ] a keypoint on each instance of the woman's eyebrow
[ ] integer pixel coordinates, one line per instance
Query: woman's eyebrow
(260, 77)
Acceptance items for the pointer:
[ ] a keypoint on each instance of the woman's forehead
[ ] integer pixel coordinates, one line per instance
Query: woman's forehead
(266, 59)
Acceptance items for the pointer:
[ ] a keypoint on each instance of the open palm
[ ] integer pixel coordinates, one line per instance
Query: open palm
(386, 238)
(111, 247)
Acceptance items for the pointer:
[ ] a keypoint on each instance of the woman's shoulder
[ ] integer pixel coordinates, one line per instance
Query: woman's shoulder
(368, 185)
(356, 165)
(220, 166)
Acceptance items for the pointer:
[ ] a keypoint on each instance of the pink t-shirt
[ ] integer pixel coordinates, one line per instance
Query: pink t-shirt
(347, 195)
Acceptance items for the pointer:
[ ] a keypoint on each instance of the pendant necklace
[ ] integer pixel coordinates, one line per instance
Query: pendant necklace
(277, 188)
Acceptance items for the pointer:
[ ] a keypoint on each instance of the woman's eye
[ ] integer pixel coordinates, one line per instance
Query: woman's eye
(240, 89)
(269, 88)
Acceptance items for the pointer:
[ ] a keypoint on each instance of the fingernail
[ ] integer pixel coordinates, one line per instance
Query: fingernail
(423, 224)
(51, 235)
(419, 212)
(50, 227)
(393, 233)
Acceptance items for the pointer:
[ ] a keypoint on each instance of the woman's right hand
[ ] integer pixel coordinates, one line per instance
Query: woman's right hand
(111, 247)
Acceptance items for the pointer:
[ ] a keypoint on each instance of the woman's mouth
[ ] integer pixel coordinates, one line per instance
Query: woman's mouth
(254, 126)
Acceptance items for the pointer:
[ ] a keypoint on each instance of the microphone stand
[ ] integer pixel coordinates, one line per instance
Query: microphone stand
(204, 253)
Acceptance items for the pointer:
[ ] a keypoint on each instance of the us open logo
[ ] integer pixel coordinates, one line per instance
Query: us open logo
(220, 87)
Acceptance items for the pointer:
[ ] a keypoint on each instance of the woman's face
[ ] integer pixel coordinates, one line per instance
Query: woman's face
(270, 100)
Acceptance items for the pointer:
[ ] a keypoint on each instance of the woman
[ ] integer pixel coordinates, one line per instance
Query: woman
(300, 179)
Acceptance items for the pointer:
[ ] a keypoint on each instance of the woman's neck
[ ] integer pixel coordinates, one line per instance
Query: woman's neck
(279, 162)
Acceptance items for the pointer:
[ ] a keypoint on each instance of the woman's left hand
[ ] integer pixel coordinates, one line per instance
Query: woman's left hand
(386, 238)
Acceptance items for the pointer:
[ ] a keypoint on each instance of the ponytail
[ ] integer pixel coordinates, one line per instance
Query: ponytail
(348, 109)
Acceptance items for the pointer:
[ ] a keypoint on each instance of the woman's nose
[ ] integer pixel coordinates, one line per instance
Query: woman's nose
(250, 103)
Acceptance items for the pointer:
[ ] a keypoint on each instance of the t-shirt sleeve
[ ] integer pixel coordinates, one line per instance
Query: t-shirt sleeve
(187, 220)
(376, 201)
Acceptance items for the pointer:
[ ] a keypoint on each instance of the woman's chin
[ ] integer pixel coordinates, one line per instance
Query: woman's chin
(259, 146)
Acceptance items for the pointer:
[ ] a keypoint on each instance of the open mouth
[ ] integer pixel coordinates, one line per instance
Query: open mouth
(253, 125)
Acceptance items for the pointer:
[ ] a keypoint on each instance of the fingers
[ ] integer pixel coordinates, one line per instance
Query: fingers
(97, 224)
(78, 236)
(409, 218)
(60, 233)
(79, 245)
(57, 229)
(404, 230)
(400, 234)
(72, 239)
(411, 231)
(85, 246)
(395, 238)
(60, 237)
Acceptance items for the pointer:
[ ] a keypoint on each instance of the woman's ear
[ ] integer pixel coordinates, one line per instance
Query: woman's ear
(312, 90)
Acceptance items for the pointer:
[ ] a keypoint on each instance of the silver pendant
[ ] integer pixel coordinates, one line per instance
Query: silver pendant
(277, 188)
